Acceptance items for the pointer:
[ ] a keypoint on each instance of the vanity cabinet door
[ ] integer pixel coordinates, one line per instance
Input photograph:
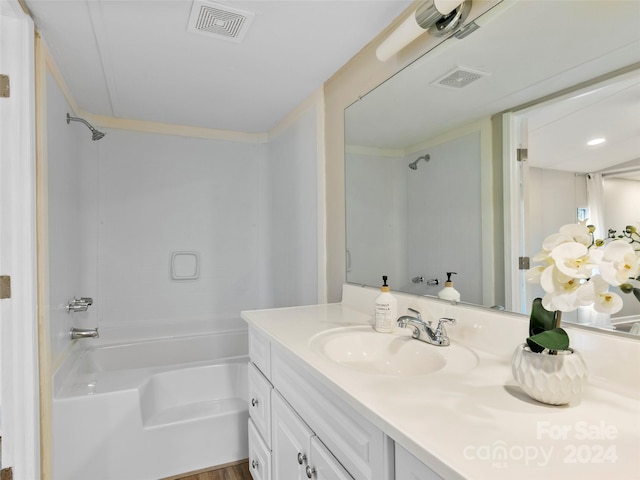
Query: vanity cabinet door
(409, 467)
(259, 455)
(290, 441)
(362, 448)
(260, 403)
(323, 465)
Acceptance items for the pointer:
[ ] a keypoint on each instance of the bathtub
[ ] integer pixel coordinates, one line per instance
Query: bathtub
(150, 409)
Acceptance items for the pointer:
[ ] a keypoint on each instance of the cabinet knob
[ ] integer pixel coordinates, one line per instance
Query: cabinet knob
(310, 471)
(301, 458)
(254, 464)
(254, 402)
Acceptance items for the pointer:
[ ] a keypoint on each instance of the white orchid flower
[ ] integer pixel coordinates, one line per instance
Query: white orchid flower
(561, 290)
(578, 233)
(619, 263)
(555, 239)
(596, 292)
(572, 259)
(574, 270)
(534, 273)
(554, 281)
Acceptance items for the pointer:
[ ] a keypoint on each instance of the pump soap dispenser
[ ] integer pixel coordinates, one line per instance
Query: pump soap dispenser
(448, 292)
(386, 311)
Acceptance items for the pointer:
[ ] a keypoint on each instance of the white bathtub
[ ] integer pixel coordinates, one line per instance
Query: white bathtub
(150, 409)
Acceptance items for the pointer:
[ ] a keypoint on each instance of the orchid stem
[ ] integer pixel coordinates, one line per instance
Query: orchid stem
(558, 319)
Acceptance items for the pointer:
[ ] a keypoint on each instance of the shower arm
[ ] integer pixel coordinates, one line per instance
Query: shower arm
(97, 134)
(78, 119)
(414, 165)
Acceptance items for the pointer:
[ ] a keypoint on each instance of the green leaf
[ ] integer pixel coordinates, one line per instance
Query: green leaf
(555, 339)
(541, 319)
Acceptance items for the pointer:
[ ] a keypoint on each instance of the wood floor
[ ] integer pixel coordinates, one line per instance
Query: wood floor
(238, 471)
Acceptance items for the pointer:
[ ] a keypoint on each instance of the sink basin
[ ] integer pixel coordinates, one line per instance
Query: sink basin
(363, 349)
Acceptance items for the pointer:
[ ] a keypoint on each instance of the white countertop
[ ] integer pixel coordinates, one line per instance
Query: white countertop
(477, 424)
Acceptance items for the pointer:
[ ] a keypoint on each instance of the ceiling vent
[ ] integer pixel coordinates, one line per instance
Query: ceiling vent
(219, 21)
(459, 78)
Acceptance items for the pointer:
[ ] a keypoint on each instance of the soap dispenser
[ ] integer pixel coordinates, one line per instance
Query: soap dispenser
(448, 292)
(386, 311)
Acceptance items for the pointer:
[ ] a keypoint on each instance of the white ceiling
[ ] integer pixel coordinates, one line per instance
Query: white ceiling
(559, 132)
(530, 50)
(135, 59)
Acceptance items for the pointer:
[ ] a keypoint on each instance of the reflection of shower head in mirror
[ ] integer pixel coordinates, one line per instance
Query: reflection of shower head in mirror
(414, 165)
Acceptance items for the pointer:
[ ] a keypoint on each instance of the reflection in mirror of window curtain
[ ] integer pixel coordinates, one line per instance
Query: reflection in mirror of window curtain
(595, 200)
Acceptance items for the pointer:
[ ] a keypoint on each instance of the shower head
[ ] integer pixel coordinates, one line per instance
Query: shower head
(414, 165)
(95, 134)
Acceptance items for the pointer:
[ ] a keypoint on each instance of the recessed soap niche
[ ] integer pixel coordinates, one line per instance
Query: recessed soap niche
(185, 265)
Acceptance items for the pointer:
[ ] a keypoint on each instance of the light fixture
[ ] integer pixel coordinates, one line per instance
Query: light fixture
(438, 17)
(596, 141)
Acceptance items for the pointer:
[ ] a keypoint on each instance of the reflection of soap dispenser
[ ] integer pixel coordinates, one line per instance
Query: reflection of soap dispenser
(448, 292)
(386, 309)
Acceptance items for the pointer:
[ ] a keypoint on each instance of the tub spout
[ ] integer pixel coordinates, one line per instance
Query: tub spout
(83, 333)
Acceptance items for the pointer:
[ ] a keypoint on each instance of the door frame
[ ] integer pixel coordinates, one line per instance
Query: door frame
(19, 391)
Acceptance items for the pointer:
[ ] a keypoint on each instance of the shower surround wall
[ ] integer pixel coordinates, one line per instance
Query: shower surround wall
(159, 194)
(119, 207)
(389, 208)
(72, 213)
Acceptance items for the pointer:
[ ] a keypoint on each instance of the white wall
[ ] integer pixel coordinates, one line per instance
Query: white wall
(291, 257)
(621, 202)
(622, 208)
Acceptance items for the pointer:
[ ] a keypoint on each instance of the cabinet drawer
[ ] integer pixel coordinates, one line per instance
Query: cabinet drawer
(259, 455)
(260, 351)
(260, 403)
(363, 449)
(409, 467)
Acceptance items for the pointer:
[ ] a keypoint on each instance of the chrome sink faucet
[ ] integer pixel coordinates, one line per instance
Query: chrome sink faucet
(422, 330)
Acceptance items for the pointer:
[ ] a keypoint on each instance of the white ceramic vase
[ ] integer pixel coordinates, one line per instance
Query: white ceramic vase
(551, 379)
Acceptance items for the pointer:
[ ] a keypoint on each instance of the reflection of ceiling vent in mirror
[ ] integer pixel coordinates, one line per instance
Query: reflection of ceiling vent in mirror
(460, 77)
(219, 21)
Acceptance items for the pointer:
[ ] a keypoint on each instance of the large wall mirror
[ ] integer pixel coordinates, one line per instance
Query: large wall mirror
(430, 187)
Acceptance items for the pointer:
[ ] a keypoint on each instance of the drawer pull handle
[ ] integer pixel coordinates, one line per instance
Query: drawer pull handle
(254, 402)
(254, 464)
(301, 458)
(310, 471)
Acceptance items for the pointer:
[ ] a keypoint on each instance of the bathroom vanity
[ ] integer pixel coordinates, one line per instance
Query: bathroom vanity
(330, 398)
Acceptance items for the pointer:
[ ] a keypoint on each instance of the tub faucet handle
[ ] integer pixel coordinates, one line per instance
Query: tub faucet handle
(79, 304)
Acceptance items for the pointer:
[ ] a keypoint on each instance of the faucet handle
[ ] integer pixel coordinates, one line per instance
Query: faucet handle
(440, 328)
(418, 316)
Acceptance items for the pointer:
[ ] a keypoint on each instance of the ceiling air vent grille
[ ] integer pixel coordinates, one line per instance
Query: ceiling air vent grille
(459, 78)
(219, 21)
